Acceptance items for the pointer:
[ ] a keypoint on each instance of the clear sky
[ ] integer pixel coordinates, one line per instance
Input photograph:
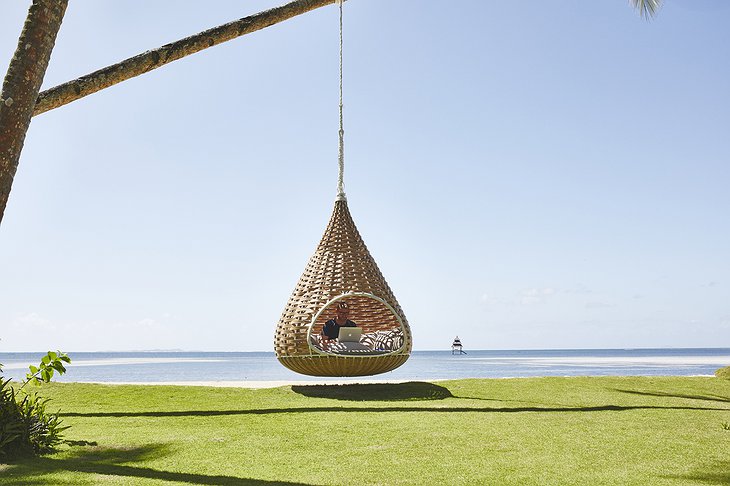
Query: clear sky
(539, 174)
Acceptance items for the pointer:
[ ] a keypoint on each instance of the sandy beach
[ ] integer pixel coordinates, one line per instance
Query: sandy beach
(256, 384)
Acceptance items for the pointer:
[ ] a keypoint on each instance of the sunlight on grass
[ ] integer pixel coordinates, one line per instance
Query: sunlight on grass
(608, 430)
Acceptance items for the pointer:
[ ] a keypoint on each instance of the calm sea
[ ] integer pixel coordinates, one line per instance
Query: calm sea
(150, 367)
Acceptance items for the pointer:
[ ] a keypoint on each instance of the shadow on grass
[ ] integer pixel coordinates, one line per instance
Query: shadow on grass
(381, 392)
(113, 462)
(267, 411)
(385, 392)
(712, 398)
(715, 473)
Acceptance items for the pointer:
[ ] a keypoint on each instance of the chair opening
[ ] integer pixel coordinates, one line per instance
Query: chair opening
(382, 328)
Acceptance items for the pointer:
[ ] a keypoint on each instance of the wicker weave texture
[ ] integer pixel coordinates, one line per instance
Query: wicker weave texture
(331, 365)
(341, 264)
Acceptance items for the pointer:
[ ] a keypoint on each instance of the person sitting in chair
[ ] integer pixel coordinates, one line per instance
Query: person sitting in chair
(331, 328)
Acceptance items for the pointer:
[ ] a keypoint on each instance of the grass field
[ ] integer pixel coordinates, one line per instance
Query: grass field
(537, 431)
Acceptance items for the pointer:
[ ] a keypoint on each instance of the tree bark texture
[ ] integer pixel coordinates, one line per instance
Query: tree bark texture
(22, 83)
(147, 61)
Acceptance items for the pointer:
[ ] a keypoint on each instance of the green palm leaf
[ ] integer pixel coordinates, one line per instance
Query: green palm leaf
(647, 8)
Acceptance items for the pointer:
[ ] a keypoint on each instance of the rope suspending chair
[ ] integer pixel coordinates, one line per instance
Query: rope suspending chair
(342, 271)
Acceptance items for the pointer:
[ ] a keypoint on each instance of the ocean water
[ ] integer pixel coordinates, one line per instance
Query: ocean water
(155, 367)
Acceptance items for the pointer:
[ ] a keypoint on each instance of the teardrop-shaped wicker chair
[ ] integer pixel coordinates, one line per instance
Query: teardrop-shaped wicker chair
(342, 270)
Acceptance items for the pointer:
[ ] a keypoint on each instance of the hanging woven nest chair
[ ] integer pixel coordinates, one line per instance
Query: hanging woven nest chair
(342, 271)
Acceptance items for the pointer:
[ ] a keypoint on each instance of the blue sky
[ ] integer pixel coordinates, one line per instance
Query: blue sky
(526, 174)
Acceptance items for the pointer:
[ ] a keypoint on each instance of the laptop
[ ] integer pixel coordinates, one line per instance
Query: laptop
(350, 334)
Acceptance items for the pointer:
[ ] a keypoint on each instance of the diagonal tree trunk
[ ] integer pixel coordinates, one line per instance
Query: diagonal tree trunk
(147, 61)
(20, 100)
(22, 83)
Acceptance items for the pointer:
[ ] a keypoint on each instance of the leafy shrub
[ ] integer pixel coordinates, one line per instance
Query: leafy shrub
(723, 373)
(26, 426)
(11, 421)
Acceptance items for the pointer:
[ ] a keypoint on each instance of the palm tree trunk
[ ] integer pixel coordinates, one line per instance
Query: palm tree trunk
(22, 83)
(147, 61)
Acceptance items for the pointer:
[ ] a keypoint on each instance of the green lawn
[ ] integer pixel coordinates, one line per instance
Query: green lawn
(540, 431)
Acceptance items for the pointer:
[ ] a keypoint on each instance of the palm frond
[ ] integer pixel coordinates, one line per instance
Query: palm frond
(647, 8)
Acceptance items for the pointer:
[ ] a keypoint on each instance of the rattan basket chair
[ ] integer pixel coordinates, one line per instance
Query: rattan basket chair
(342, 270)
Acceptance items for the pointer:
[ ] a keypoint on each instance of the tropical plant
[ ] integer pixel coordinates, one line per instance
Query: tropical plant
(50, 363)
(647, 8)
(26, 425)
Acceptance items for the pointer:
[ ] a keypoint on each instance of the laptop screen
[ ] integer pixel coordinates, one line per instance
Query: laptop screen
(350, 334)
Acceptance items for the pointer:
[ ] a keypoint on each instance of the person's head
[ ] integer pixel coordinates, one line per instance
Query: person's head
(342, 311)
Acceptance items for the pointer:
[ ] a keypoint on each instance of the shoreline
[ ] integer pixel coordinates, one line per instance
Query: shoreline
(256, 384)
(260, 384)
(256, 371)
(715, 360)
